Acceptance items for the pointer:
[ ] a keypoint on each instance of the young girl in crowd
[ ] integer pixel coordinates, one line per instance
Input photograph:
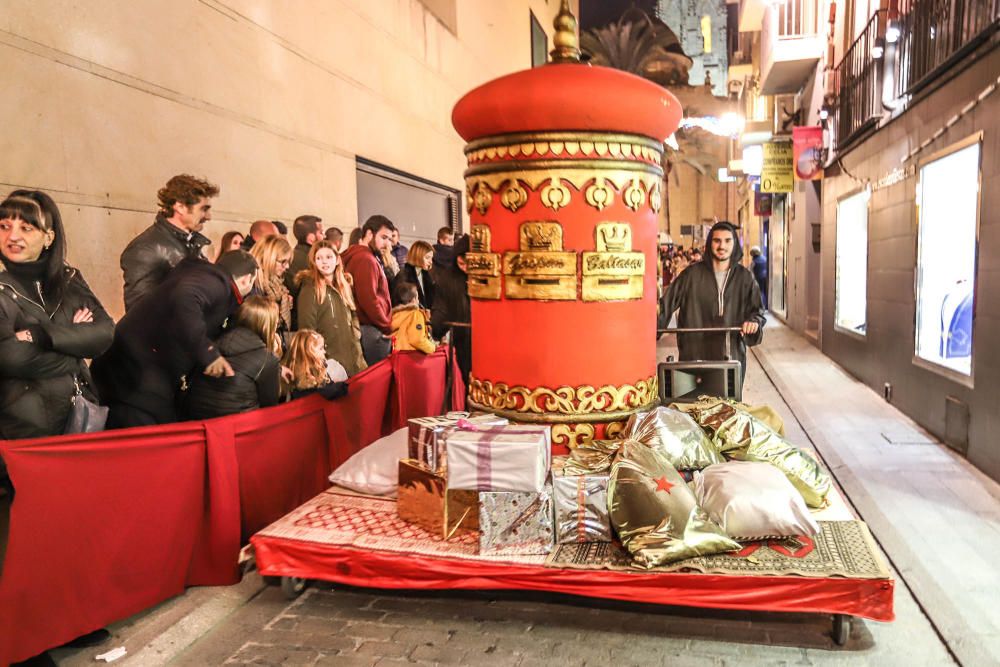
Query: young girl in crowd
(274, 255)
(409, 321)
(230, 241)
(251, 347)
(326, 304)
(417, 270)
(306, 358)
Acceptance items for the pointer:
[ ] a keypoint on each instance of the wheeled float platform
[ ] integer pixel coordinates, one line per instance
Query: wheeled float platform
(357, 540)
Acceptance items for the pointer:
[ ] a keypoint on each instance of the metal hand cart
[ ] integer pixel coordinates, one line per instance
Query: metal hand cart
(685, 381)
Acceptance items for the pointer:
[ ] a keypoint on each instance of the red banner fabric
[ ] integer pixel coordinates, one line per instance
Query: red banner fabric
(105, 525)
(867, 598)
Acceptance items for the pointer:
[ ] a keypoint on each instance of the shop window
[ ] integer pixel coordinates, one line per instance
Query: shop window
(948, 214)
(852, 264)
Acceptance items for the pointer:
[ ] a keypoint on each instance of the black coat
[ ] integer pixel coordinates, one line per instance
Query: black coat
(148, 258)
(166, 336)
(37, 378)
(425, 285)
(695, 295)
(451, 304)
(255, 384)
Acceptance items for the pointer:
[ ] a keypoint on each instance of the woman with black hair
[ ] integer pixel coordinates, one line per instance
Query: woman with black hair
(50, 321)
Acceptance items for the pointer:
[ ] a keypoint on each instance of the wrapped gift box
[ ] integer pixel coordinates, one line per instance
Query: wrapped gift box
(512, 522)
(581, 505)
(499, 458)
(426, 500)
(426, 442)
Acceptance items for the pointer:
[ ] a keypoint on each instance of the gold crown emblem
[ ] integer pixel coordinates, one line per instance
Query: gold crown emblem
(539, 237)
(616, 237)
(480, 238)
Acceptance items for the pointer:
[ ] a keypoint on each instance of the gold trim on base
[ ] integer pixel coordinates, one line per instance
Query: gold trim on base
(564, 404)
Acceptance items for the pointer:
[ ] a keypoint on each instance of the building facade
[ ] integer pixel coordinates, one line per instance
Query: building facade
(886, 262)
(701, 27)
(291, 109)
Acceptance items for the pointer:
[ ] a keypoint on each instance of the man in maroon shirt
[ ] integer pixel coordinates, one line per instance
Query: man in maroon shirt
(371, 288)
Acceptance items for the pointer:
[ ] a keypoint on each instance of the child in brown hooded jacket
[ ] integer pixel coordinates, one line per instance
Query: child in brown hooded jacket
(410, 330)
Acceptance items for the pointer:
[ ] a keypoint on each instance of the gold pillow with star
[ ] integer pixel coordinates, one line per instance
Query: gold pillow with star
(655, 513)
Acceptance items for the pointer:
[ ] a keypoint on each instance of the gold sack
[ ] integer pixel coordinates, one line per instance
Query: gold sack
(765, 413)
(741, 436)
(675, 435)
(655, 513)
(593, 458)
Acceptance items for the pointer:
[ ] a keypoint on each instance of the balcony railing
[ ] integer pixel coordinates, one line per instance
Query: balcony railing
(932, 36)
(936, 33)
(857, 76)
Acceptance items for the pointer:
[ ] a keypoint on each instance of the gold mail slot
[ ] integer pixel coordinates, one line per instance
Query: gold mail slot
(484, 287)
(482, 263)
(614, 263)
(552, 288)
(612, 288)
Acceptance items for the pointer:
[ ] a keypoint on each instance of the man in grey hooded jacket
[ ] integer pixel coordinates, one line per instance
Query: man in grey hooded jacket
(716, 292)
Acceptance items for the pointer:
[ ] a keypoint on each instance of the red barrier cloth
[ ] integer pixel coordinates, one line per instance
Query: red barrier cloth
(867, 598)
(411, 399)
(105, 525)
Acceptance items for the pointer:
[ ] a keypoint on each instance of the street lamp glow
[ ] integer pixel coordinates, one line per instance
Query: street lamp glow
(731, 124)
(753, 159)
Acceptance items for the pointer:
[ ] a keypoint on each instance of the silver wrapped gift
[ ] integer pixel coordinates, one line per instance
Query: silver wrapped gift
(581, 505)
(427, 439)
(515, 522)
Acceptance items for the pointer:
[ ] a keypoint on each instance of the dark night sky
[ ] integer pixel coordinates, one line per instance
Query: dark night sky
(596, 13)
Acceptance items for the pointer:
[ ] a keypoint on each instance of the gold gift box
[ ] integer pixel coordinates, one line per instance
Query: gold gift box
(426, 501)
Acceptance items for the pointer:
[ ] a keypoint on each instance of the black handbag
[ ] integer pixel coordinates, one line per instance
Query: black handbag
(85, 416)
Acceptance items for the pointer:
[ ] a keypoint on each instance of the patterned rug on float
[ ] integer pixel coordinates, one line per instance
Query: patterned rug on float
(843, 548)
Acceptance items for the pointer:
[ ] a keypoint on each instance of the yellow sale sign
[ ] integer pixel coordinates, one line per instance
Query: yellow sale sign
(776, 174)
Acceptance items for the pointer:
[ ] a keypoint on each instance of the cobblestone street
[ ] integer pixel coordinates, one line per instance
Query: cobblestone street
(328, 625)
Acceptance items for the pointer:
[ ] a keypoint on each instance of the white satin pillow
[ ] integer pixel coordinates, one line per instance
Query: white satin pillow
(752, 500)
(375, 469)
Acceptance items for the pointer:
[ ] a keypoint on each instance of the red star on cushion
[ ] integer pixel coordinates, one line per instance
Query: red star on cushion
(663, 485)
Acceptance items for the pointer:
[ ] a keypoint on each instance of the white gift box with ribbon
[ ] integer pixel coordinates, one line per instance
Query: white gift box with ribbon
(499, 458)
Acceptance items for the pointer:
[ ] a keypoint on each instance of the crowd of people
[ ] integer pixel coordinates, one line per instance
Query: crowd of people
(674, 259)
(207, 334)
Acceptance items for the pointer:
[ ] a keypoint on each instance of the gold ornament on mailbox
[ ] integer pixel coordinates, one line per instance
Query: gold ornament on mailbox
(482, 266)
(614, 272)
(541, 270)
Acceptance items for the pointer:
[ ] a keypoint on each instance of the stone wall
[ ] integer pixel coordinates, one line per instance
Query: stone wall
(105, 100)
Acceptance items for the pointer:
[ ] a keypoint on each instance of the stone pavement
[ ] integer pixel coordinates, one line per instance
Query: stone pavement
(935, 516)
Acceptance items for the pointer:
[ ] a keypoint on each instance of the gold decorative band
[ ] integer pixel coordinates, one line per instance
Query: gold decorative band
(564, 404)
(598, 187)
(565, 146)
(590, 168)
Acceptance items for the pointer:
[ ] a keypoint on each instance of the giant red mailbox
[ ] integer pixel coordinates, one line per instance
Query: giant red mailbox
(564, 189)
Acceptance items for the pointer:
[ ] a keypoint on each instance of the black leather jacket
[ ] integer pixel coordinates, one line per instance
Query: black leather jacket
(38, 378)
(148, 258)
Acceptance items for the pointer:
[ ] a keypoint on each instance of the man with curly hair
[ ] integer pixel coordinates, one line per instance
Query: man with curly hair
(185, 204)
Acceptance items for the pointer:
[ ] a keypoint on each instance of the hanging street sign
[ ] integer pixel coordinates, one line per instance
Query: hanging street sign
(808, 147)
(776, 172)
